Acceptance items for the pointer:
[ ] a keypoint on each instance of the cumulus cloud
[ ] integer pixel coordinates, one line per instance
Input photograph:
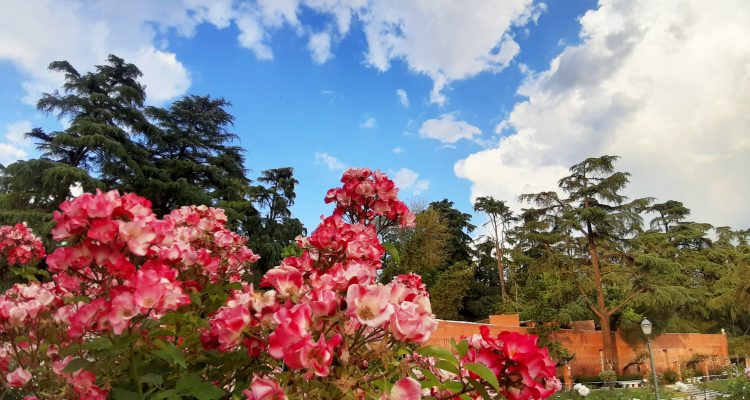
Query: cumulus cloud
(446, 41)
(84, 33)
(447, 129)
(14, 147)
(398, 150)
(10, 153)
(408, 181)
(14, 131)
(331, 162)
(403, 97)
(369, 123)
(665, 85)
(320, 47)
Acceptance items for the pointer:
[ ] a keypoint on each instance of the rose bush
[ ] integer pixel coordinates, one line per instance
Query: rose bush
(20, 252)
(145, 307)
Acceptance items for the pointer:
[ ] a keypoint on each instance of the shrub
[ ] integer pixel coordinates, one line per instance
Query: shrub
(607, 377)
(669, 376)
(159, 308)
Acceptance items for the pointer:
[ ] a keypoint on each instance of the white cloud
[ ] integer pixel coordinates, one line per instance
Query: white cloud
(320, 47)
(403, 97)
(398, 150)
(84, 33)
(331, 162)
(369, 123)
(14, 131)
(408, 180)
(446, 40)
(665, 85)
(14, 150)
(10, 153)
(156, 65)
(447, 129)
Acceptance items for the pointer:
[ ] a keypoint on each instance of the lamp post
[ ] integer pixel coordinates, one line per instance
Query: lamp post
(646, 326)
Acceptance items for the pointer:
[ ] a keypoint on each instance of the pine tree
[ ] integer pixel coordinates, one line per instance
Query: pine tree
(273, 228)
(500, 216)
(459, 227)
(194, 158)
(105, 110)
(602, 220)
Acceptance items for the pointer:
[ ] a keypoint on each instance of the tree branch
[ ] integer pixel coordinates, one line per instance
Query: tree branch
(627, 299)
(588, 302)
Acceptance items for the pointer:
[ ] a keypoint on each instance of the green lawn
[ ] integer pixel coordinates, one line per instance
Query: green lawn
(719, 386)
(624, 394)
(642, 394)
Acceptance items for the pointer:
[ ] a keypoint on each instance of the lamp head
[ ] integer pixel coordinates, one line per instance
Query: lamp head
(646, 326)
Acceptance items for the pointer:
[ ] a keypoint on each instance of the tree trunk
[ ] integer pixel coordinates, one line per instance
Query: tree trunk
(603, 313)
(500, 267)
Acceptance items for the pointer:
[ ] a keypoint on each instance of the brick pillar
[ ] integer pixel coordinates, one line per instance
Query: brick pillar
(704, 365)
(567, 377)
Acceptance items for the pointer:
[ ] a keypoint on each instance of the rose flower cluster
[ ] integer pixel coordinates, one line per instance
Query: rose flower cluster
(145, 307)
(120, 266)
(19, 246)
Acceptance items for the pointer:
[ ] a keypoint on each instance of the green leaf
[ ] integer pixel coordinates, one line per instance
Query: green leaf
(454, 386)
(152, 379)
(430, 379)
(393, 252)
(195, 298)
(479, 387)
(206, 391)
(170, 353)
(192, 384)
(161, 333)
(21, 339)
(446, 366)
(438, 353)
(101, 343)
(122, 394)
(166, 394)
(485, 373)
(461, 347)
(75, 365)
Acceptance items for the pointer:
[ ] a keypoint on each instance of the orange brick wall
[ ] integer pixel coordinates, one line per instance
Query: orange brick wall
(669, 348)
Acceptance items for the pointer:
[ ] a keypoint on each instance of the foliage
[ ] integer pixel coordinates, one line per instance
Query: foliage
(608, 376)
(147, 307)
(500, 216)
(184, 154)
(739, 388)
(739, 345)
(458, 226)
(449, 291)
(190, 149)
(668, 376)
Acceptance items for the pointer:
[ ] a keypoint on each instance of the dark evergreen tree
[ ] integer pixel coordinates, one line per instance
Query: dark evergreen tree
(602, 220)
(459, 227)
(105, 110)
(273, 228)
(194, 157)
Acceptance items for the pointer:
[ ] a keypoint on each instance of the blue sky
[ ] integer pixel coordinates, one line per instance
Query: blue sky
(479, 120)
